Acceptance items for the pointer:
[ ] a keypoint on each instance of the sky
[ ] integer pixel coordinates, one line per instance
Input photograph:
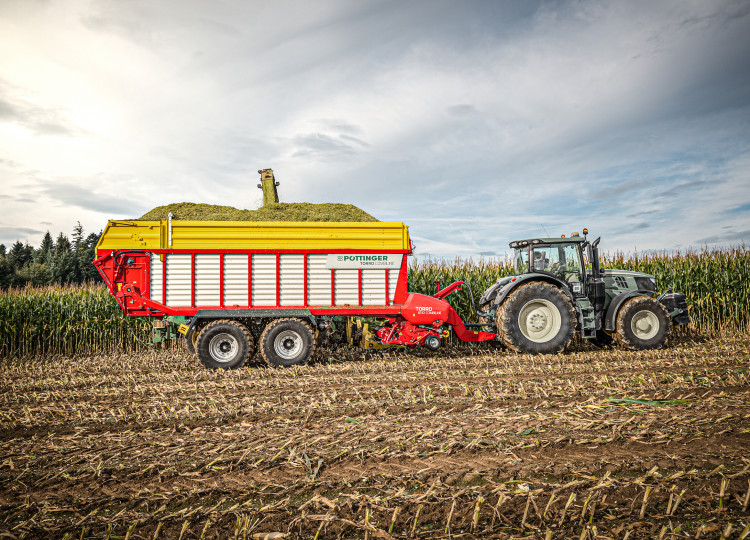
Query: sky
(474, 122)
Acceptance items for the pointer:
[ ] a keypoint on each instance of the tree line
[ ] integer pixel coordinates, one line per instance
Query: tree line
(64, 261)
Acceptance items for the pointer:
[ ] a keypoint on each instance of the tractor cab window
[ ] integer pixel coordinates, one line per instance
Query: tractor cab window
(562, 260)
(546, 259)
(521, 261)
(571, 264)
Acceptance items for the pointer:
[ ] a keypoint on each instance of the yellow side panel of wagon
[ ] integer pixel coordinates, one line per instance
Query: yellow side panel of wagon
(271, 235)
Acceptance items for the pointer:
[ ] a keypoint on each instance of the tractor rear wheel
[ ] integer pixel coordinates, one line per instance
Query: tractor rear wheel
(224, 344)
(286, 343)
(536, 318)
(642, 323)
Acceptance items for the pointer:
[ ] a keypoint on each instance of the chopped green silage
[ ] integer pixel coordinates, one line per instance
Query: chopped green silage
(276, 212)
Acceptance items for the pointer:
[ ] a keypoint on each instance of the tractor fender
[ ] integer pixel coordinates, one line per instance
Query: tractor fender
(510, 287)
(614, 306)
(489, 295)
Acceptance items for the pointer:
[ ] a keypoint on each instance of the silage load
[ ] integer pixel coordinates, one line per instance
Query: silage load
(276, 212)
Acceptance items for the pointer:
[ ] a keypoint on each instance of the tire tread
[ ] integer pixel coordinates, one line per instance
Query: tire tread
(508, 311)
(241, 327)
(269, 327)
(635, 304)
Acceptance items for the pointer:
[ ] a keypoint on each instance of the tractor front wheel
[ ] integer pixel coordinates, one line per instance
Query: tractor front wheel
(536, 318)
(224, 344)
(642, 323)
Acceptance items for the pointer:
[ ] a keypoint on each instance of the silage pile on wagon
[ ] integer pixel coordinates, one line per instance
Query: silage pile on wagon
(272, 212)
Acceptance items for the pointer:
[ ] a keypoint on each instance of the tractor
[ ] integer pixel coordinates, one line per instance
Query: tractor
(553, 294)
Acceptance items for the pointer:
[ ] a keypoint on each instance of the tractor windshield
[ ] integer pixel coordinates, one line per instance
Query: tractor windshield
(562, 260)
(521, 261)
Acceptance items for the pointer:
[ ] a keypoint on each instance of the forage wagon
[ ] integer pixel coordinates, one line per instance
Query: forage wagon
(234, 288)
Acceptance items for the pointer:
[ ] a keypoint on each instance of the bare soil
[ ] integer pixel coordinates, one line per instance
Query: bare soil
(465, 443)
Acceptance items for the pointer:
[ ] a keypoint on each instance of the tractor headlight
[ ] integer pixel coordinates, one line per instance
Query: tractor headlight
(646, 283)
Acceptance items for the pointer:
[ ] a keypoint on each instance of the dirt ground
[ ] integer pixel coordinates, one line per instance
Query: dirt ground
(464, 443)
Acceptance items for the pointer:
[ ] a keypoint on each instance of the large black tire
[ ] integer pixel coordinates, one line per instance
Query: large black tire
(536, 318)
(224, 344)
(286, 343)
(189, 340)
(642, 323)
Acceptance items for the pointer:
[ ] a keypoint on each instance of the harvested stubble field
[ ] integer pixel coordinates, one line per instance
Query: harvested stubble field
(471, 443)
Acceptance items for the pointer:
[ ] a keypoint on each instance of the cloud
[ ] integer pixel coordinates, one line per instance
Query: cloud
(461, 110)
(740, 209)
(680, 189)
(9, 235)
(321, 145)
(729, 237)
(622, 188)
(51, 121)
(67, 194)
(354, 140)
(6, 231)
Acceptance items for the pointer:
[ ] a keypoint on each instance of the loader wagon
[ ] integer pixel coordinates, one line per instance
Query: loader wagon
(281, 288)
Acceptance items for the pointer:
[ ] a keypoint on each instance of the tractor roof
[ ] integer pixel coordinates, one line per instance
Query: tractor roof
(568, 240)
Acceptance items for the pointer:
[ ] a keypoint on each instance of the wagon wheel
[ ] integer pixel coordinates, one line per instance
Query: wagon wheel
(224, 344)
(189, 340)
(287, 342)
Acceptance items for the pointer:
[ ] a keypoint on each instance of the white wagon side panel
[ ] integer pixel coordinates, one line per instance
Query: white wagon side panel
(235, 279)
(318, 280)
(292, 273)
(207, 272)
(178, 279)
(264, 279)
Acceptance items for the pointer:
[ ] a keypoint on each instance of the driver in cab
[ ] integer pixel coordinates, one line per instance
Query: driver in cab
(541, 262)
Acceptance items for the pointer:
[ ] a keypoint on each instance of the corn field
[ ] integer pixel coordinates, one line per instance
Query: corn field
(66, 320)
(77, 319)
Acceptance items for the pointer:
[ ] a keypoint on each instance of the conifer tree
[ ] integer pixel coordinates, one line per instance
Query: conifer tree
(20, 255)
(63, 266)
(6, 273)
(86, 254)
(46, 249)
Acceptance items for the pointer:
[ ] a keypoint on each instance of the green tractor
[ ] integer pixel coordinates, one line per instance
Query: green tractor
(552, 295)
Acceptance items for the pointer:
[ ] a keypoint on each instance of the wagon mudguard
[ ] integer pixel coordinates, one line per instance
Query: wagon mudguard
(616, 303)
(213, 314)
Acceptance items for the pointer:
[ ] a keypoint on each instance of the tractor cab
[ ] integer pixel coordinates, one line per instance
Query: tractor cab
(558, 258)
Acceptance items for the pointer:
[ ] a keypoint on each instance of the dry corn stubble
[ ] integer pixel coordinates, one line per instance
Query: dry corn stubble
(387, 444)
